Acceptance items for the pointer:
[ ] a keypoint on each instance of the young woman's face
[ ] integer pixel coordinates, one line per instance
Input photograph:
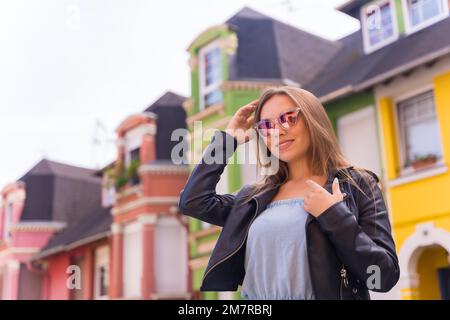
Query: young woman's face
(293, 142)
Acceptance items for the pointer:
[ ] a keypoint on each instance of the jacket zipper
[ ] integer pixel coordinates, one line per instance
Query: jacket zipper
(344, 279)
(232, 253)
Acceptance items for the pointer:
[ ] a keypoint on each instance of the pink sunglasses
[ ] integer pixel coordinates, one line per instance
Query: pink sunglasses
(286, 120)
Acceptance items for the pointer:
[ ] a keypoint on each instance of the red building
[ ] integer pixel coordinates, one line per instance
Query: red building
(149, 236)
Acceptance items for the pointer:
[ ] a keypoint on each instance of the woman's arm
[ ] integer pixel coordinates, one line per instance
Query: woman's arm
(198, 198)
(367, 242)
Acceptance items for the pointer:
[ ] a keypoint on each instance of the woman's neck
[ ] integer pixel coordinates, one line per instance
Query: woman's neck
(300, 170)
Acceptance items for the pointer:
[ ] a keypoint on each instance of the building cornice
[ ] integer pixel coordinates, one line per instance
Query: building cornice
(37, 226)
(134, 190)
(212, 110)
(164, 169)
(145, 201)
(256, 84)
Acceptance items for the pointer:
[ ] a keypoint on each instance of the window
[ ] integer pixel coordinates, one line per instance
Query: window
(101, 272)
(7, 221)
(134, 154)
(422, 13)
(362, 121)
(419, 129)
(379, 24)
(133, 141)
(210, 76)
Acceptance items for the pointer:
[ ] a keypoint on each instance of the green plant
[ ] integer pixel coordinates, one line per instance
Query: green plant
(132, 171)
(121, 178)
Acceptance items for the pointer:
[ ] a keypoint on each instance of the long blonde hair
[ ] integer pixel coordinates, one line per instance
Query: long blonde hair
(325, 152)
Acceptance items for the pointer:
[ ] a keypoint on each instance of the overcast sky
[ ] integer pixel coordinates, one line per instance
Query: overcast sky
(67, 64)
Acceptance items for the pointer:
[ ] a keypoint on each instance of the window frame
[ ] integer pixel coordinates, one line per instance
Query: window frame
(410, 29)
(204, 90)
(407, 170)
(368, 48)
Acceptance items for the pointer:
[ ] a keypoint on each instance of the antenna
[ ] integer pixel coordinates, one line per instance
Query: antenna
(103, 142)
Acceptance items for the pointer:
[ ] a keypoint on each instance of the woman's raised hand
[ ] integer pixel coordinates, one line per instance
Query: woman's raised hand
(241, 122)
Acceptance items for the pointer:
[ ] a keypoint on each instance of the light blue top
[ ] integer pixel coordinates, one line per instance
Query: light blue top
(276, 260)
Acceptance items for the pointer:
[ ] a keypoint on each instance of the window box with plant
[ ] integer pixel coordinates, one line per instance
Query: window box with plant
(423, 161)
(122, 176)
(419, 132)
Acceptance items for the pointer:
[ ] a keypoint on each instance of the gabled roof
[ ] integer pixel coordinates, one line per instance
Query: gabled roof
(170, 116)
(351, 70)
(60, 192)
(270, 49)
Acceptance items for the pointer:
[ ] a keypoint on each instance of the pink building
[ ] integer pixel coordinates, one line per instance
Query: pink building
(47, 199)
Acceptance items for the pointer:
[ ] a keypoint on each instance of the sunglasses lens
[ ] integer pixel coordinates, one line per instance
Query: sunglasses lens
(288, 119)
(264, 126)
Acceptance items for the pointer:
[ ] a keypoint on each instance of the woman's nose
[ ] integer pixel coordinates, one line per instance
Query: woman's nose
(278, 128)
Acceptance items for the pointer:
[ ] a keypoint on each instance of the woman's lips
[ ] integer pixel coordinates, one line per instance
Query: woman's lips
(285, 144)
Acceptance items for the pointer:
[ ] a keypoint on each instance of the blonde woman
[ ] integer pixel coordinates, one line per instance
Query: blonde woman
(317, 228)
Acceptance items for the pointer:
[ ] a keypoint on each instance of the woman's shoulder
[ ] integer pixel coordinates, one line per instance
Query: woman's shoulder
(365, 173)
(363, 177)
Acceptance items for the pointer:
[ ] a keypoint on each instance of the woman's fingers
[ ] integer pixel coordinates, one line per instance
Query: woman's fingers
(247, 110)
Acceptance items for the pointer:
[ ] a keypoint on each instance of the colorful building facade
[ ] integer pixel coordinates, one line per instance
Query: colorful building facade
(399, 61)
(70, 233)
(385, 88)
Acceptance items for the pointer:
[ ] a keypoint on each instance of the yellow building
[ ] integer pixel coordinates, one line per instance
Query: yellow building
(415, 117)
(401, 59)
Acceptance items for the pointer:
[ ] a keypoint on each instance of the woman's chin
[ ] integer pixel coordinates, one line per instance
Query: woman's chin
(286, 156)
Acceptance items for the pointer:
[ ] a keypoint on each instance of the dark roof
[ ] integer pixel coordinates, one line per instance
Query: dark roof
(60, 192)
(170, 116)
(352, 8)
(268, 49)
(168, 99)
(95, 223)
(352, 68)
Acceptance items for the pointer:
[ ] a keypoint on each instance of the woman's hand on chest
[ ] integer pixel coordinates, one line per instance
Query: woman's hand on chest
(318, 199)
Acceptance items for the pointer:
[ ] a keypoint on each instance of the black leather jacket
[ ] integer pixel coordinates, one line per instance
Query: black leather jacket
(342, 242)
